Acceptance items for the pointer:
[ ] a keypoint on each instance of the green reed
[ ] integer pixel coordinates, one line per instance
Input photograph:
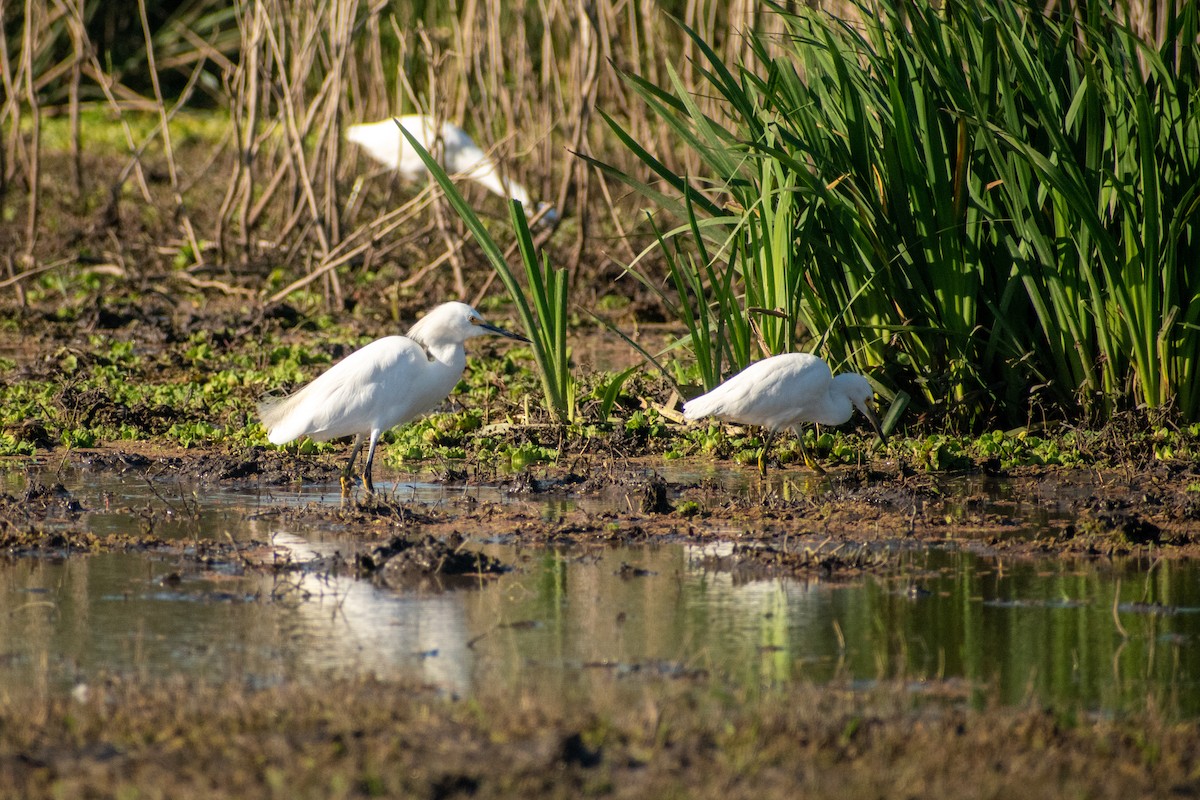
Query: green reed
(976, 202)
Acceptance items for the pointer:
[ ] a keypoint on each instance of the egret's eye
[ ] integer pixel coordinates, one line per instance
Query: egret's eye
(475, 320)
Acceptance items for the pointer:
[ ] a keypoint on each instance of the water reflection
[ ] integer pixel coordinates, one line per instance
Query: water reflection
(1106, 635)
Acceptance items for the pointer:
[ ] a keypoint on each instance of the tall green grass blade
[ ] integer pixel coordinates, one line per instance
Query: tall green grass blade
(546, 331)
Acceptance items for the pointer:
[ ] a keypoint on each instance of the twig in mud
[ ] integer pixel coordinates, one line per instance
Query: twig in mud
(16, 279)
(220, 286)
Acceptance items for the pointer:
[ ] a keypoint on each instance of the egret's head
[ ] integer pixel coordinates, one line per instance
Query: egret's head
(858, 389)
(482, 327)
(455, 323)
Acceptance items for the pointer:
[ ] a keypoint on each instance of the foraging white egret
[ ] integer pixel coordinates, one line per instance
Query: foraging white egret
(383, 384)
(382, 141)
(784, 391)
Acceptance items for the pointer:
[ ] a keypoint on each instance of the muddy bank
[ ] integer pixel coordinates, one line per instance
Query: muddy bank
(787, 521)
(368, 739)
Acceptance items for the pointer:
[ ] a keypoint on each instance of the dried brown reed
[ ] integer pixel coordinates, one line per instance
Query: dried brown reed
(523, 76)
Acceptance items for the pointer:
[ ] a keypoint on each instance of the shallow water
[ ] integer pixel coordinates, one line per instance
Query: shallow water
(1104, 635)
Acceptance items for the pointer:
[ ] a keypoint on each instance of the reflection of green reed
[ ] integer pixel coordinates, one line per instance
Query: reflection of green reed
(981, 630)
(1044, 632)
(553, 596)
(775, 647)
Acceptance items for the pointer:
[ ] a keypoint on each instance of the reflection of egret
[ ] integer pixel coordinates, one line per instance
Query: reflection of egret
(386, 383)
(383, 142)
(376, 631)
(784, 391)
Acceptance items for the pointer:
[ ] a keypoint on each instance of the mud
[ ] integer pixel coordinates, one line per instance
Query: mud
(402, 561)
(787, 522)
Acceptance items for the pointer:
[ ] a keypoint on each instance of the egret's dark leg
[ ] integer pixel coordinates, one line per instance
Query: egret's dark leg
(762, 454)
(348, 472)
(368, 484)
(808, 459)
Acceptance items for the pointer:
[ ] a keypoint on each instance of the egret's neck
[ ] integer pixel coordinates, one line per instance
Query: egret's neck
(488, 176)
(451, 354)
(836, 408)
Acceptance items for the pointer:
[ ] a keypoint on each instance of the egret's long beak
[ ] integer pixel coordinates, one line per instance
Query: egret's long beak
(487, 326)
(869, 413)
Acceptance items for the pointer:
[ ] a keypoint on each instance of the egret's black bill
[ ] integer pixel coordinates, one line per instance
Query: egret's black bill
(874, 420)
(487, 326)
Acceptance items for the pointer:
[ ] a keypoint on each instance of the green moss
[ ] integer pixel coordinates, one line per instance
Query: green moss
(101, 131)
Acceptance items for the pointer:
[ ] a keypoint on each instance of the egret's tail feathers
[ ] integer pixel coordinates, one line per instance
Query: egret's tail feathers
(698, 407)
(380, 140)
(277, 417)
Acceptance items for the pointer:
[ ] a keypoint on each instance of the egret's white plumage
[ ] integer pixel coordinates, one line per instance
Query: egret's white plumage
(386, 383)
(383, 142)
(784, 391)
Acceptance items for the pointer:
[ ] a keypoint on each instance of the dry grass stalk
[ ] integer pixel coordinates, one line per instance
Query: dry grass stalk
(33, 164)
(165, 128)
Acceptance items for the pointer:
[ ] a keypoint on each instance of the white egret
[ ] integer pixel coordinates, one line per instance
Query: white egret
(388, 382)
(784, 391)
(460, 155)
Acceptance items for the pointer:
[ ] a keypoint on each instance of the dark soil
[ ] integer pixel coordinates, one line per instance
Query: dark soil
(400, 561)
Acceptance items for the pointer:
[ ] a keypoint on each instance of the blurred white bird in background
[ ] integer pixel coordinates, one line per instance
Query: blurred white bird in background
(459, 153)
(784, 391)
(388, 382)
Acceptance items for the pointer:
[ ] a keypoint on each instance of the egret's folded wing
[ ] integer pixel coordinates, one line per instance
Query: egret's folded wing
(346, 398)
(769, 392)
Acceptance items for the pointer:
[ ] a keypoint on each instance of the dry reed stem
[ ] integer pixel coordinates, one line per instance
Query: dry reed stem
(244, 112)
(74, 21)
(34, 158)
(165, 129)
(295, 143)
(10, 110)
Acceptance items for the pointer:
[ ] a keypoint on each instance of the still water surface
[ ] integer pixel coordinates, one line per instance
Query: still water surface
(1104, 635)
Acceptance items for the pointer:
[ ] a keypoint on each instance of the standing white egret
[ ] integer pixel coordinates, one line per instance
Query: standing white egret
(382, 141)
(784, 391)
(383, 384)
